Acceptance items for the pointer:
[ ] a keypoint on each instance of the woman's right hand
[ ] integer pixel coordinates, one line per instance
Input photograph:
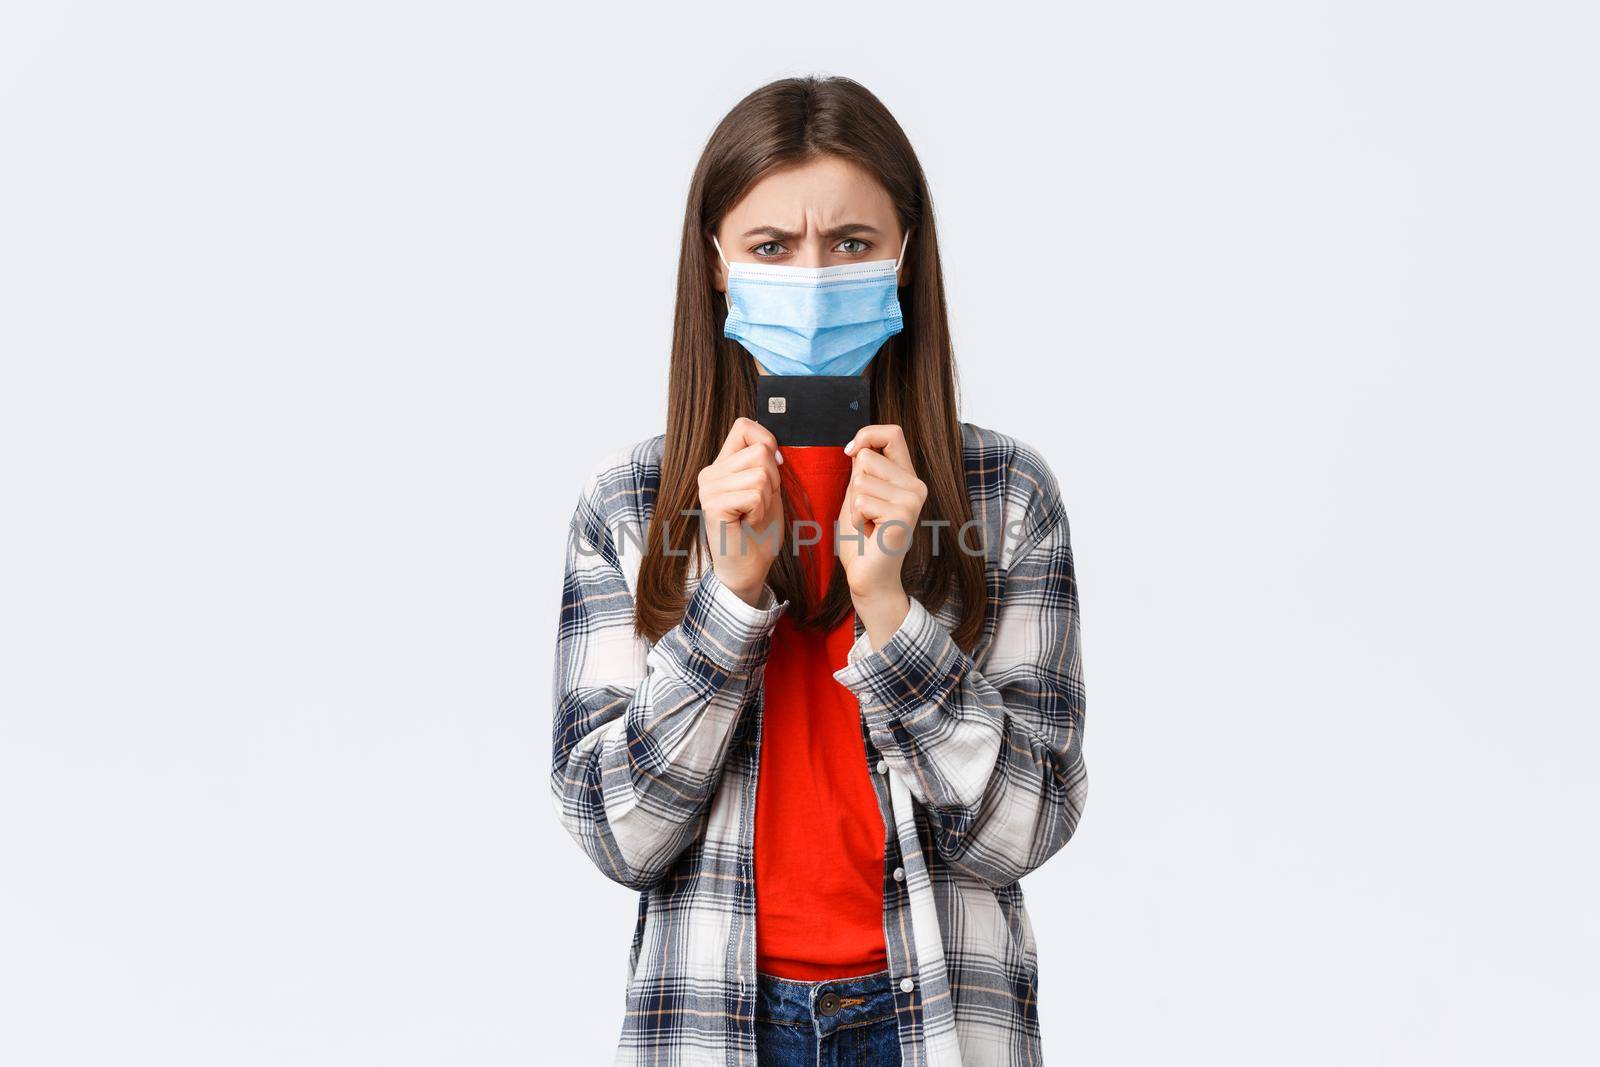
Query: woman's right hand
(743, 508)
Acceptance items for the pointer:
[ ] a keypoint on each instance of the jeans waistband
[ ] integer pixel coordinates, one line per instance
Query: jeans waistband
(829, 1004)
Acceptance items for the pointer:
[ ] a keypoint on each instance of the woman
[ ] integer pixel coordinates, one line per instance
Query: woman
(824, 762)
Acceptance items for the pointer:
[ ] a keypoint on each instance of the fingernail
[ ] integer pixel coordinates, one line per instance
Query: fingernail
(849, 448)
(775, 452)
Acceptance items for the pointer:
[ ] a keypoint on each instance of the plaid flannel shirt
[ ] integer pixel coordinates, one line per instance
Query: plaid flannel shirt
(976, 760)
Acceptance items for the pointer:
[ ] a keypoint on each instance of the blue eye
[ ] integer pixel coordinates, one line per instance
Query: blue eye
(773, 249)
(861, 246)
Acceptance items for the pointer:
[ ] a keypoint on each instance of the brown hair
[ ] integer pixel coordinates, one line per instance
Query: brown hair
(712, 378)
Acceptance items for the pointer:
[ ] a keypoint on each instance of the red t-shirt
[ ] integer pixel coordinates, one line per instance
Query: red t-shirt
(819, 836)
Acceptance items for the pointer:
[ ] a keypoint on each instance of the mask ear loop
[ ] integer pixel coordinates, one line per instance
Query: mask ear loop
(902, 257)
(726, 298)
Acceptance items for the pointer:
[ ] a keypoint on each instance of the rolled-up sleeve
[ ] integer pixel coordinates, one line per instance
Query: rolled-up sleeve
(641, 732)
(994, 755)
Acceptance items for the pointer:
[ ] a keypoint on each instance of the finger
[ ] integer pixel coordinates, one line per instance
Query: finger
(878, 510)
(723, 523)
(739, 503)
(871, 485)
(736, 438)
(891, 530)
(876, 463)
(886, 438)
(757, 456)
(747, 431)
(757, 478)
(750, 478)
(848, 519)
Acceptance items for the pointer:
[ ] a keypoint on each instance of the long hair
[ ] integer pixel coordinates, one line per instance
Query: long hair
(712, 378)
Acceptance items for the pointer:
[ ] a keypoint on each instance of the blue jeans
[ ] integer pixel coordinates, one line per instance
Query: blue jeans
(840, 1022)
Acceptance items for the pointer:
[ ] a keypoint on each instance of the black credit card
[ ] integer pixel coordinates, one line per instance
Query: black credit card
(813, 409)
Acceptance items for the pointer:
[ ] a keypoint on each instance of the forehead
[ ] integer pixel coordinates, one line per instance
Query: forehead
(826, 191)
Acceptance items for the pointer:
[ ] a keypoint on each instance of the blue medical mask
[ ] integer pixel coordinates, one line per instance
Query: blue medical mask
(813, 320)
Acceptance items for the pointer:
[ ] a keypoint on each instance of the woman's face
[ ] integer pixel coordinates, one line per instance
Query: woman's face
(819, 213)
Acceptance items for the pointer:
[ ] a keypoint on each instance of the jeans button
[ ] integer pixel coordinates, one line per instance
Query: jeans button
(828, 1003)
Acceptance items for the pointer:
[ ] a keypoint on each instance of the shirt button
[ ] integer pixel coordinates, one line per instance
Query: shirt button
(883, 766)
(906, 985)
(899, 874)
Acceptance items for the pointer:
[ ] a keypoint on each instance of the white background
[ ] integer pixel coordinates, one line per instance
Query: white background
(314, 317)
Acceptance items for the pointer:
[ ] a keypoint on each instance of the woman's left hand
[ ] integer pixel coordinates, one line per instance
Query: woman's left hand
(880, 511)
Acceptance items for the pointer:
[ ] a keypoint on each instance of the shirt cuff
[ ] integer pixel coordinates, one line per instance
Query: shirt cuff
(919, 664)
(730, 633)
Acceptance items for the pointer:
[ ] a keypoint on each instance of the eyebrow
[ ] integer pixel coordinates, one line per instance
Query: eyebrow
(846, 230)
